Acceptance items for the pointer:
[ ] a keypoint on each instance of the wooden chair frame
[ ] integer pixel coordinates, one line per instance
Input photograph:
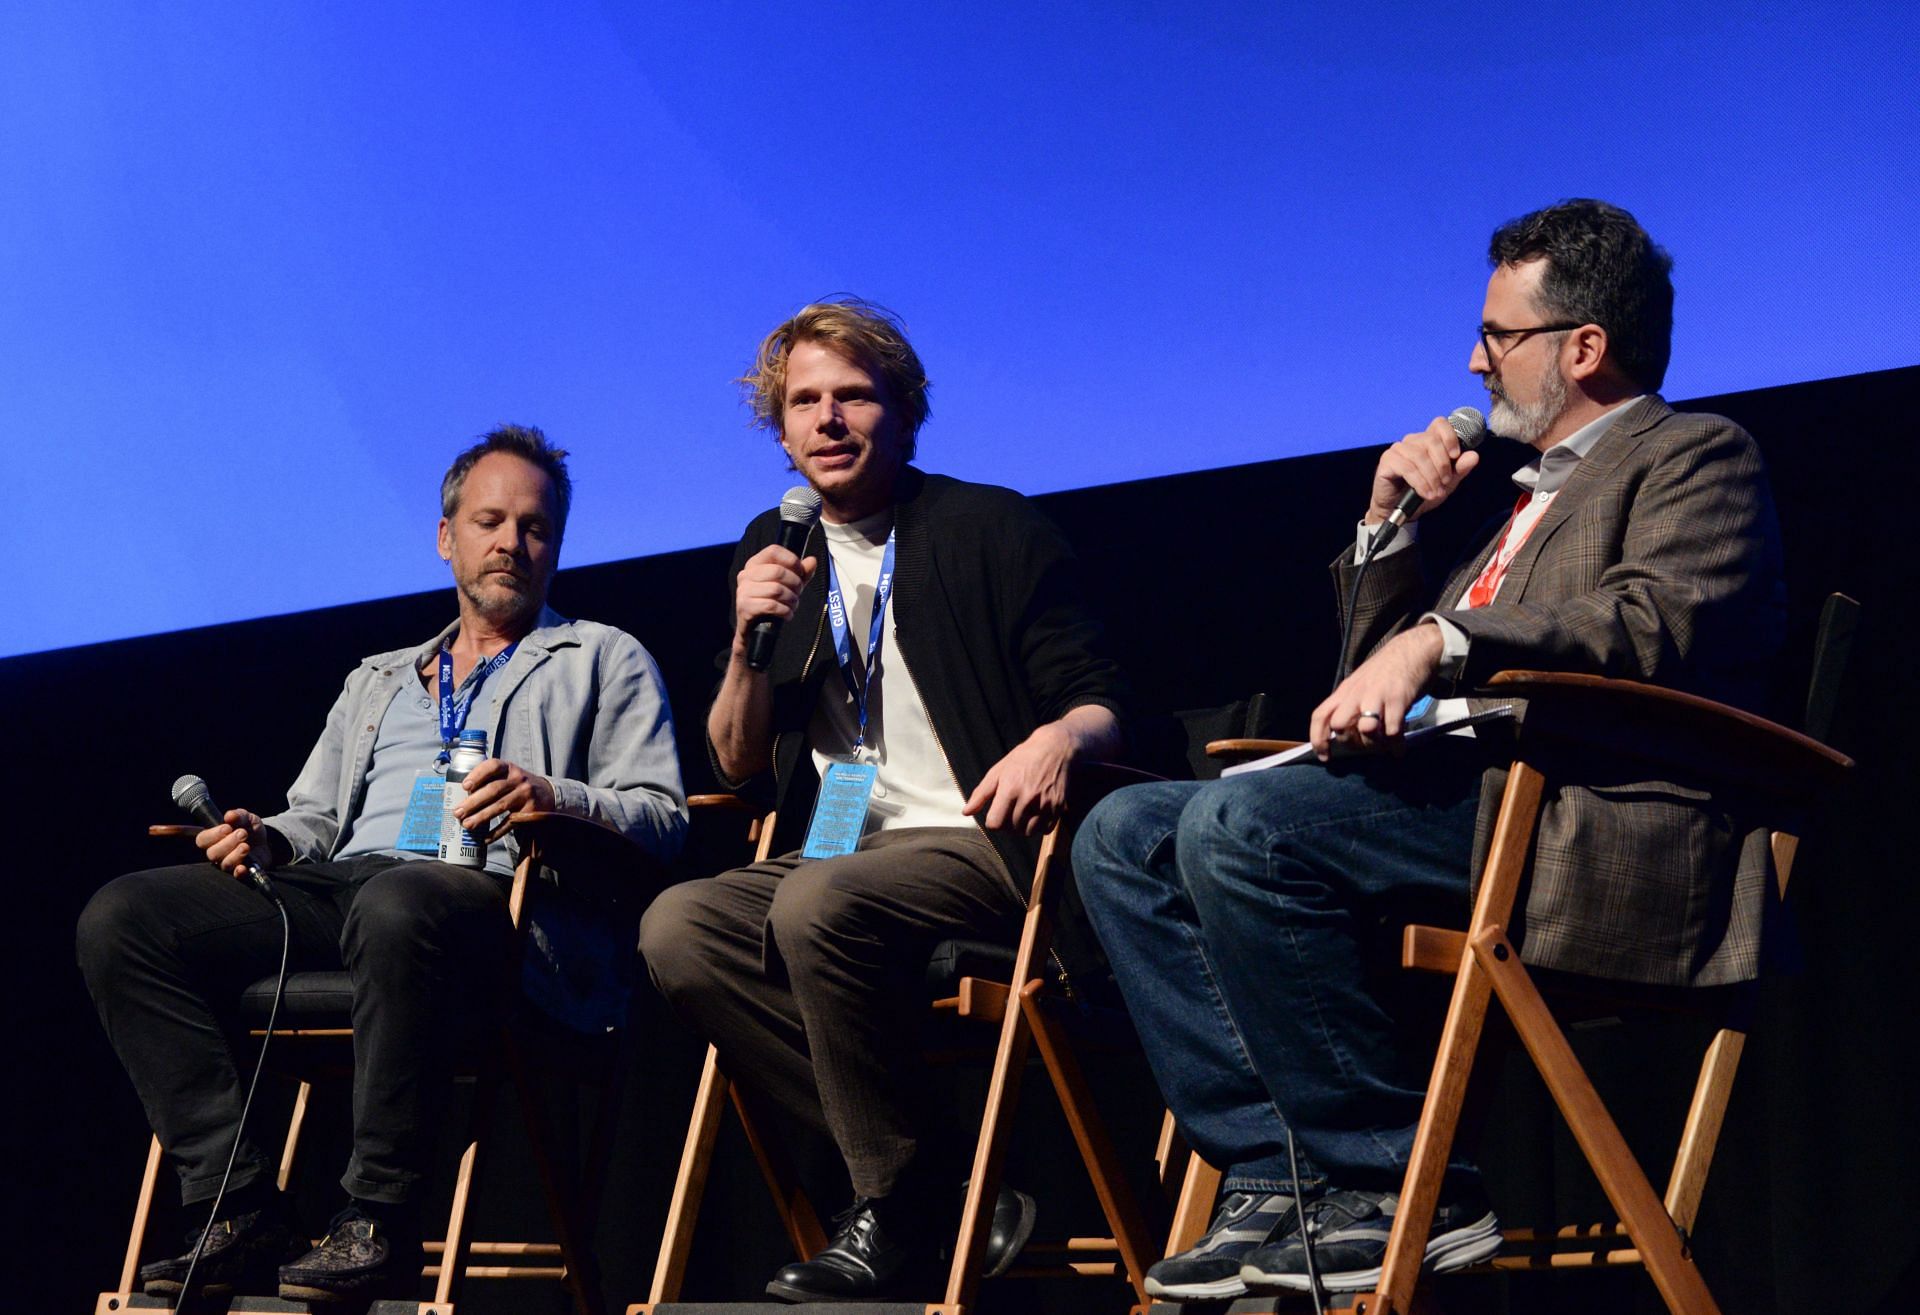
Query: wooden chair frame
(572, 1208)
(1029, 1017)
(1784, 768)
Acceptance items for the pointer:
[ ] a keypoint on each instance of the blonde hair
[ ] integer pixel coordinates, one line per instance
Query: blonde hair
(871, 336)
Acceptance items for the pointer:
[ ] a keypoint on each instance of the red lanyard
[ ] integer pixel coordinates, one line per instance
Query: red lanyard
(1488, 584)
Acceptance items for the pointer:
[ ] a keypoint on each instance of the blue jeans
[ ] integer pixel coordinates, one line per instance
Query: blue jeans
(1246, 918)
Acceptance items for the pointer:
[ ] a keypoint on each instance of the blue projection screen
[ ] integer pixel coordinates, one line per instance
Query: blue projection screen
(267, 266)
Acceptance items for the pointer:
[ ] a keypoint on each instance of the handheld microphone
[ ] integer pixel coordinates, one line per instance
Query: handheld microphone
(192, 794)
(1470, 427)
(799, 509)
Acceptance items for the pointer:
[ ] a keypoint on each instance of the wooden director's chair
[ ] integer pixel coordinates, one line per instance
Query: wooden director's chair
(1783, 771)
(311, 1040)
(1030, 1013)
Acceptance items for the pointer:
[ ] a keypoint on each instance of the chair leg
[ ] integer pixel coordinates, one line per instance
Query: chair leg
(1645, 1218)
(1103, 1164)
(296, 1123)
(142, 1212)
(690, 1183)
(1433, 1141)
(582, 1274)
(797, 1214)
(1702, 1132)
(983, 1185)
(1199, 1188)
(453, 1256)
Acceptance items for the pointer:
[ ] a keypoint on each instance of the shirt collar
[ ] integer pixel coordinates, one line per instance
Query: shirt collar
(1546, 474)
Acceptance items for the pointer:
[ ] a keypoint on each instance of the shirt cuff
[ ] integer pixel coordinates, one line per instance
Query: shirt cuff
(1363, 539)
(1454, 642)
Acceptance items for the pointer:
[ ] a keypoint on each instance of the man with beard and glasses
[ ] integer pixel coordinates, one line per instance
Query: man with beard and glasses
(576, 720)
(1241, 915)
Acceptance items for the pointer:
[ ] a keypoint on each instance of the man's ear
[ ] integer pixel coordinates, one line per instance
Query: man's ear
(1584, 354)
(444, 538)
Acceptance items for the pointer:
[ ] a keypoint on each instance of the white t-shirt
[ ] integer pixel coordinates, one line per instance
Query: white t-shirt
(915, 785)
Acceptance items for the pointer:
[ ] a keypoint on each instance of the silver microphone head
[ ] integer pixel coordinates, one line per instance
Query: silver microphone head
(189, 791)
(1468, 425)
(801, 505)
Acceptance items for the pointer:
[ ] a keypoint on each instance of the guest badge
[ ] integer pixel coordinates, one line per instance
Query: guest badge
(840, 809)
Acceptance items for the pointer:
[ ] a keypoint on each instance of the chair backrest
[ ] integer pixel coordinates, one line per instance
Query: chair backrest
(1832, 656)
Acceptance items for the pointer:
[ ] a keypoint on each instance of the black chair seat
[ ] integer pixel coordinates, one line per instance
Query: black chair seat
(312, 1000)
(952, 960)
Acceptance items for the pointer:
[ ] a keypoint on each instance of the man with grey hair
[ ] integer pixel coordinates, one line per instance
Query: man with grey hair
(577, 721)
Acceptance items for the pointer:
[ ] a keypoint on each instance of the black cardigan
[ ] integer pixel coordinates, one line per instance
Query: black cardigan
(988, 612)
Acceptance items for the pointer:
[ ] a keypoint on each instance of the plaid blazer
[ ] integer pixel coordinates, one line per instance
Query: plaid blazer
(1660, 561)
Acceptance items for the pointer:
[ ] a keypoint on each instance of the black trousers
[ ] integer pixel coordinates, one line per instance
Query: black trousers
(809, 976)
(166, 954)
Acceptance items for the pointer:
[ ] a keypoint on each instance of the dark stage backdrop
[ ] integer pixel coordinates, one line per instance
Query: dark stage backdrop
(1214, 585)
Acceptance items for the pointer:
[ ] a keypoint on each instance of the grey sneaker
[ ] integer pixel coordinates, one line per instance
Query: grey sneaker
(1349, 1232)
(1211, 1267)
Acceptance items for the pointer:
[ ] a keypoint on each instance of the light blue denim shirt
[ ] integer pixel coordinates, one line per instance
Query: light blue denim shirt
(579, 703)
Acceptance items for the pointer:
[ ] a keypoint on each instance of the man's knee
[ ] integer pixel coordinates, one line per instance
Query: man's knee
(1120, 835)
(424, 904)
(118, 919)
(672, 940)
(818, 904)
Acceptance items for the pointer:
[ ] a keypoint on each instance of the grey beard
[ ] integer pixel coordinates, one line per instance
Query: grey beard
(503, 608)
(1525, 424)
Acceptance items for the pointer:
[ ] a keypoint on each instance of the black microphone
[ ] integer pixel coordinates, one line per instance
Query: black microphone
(798, 511)
(1470, 427)
(192, 794)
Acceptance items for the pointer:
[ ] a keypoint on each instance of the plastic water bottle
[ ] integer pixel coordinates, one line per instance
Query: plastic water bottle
(458, 845)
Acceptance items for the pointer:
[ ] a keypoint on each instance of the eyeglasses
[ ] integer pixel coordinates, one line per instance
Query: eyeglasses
(1511, 338)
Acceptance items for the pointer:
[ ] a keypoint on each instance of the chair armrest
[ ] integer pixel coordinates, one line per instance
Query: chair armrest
(1091, 780)
(1246, 750)
(1669, 726)
(569, 839)
(723, 803)
(172, 830)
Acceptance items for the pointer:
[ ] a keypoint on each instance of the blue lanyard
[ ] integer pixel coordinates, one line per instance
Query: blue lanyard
(454, 707)
(843, 638)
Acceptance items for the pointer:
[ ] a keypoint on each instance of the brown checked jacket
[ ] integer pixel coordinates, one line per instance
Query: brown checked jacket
(1658, 561)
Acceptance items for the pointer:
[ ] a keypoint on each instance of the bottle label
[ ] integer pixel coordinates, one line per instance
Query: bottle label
(458, 845)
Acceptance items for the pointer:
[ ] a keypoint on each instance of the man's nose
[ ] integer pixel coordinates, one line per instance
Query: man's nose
(1477, 362)
(831, 419)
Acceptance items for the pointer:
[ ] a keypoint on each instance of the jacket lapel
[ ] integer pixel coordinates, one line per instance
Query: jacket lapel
(1627, 432)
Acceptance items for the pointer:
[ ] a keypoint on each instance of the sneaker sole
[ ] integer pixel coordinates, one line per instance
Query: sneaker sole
(1453, 1250)
(1218, 1288)
(170, 1287)
(304, 1292)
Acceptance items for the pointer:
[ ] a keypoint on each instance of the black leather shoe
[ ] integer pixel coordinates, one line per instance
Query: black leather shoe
(878, 1247)
(242, 1255)
(359, 1259)
(1013, 1215)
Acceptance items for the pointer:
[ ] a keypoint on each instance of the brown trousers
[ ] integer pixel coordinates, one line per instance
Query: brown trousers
(808, 975)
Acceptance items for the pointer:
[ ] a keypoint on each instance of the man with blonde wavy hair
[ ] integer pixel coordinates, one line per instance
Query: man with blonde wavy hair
(934, 677)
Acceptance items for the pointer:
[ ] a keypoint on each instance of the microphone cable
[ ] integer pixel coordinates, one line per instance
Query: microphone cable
(1306, 1235)
(1343, 668)
(246, 1106)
